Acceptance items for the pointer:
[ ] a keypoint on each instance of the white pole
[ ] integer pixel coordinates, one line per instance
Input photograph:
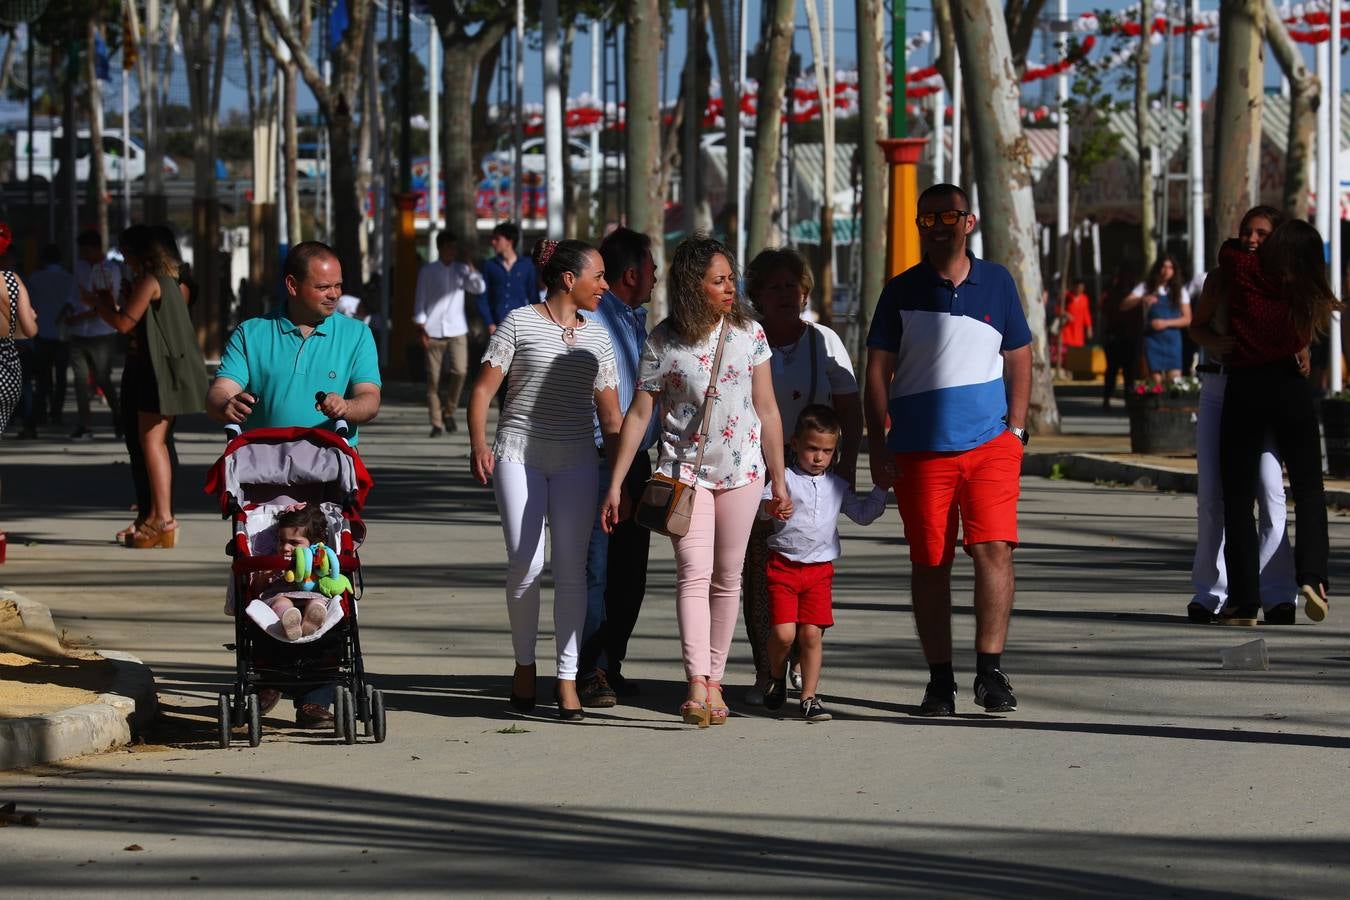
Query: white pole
(553, 119)
(740, 155)
(434, 118)
(283, 222)
(596, 91)
(1323, 221)
(1062, 164)
(126, 148)
(939, 159)
(1195, 162)
(956, 122)
(1334, 189)
(517, 164)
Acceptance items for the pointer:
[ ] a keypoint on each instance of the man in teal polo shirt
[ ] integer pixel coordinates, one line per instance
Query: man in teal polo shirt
(274, 366)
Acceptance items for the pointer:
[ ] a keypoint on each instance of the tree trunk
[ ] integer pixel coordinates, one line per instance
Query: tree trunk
(156, 206)
(1304, 99)
(1148, 245)
(98, 178)
(1237, 113)
(462, 59)
(872, 110)
(825, 91)
(336, 97)
(290, 156)
(992, 94)
(456, 144)
(1021, 17)
(483, 131)
(645, 203)
(769, 124)
(729, 218)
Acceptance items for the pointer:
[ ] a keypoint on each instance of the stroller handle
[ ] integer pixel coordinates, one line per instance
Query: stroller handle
(339, 425)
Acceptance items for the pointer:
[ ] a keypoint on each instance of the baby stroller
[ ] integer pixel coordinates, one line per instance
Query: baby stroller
(262, 472)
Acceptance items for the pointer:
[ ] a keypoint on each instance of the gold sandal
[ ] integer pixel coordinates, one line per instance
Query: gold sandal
(696, 712)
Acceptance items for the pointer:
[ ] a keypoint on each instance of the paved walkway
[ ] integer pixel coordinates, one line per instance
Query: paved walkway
(1135, 767)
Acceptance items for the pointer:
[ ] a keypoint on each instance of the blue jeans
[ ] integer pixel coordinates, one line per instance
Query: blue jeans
(597, 565)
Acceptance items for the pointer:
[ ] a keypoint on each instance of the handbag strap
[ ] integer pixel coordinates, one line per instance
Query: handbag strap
(12, 288)
(708, 397)
(813, 336)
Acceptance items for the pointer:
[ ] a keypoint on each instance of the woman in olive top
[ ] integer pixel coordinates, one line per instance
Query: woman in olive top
(164, 377)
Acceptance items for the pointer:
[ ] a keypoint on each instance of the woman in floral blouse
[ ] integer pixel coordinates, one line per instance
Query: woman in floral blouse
(745, 446)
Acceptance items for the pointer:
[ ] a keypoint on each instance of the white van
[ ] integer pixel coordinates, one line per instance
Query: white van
(48, 147)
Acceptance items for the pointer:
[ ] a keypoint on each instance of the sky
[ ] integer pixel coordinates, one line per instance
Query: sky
(919, 19)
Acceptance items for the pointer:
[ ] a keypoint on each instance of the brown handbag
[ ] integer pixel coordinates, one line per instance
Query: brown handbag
(667, 504)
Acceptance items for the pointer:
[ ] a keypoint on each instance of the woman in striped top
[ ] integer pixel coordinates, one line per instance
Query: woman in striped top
(560, 374)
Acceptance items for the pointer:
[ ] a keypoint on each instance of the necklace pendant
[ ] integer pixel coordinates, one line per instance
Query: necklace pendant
(569, 337)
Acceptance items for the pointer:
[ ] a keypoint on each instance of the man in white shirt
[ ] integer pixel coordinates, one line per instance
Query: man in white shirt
(94, 344)
(438, 313)
(52, 291)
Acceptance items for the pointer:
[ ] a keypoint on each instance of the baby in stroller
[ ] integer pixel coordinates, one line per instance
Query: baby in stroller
(301, 612)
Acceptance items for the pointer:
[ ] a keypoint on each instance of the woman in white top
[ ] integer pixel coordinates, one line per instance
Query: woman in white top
(745, 446)
(560, 373)
(810, 365)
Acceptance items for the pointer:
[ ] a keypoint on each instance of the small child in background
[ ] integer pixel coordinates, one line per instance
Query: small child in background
(802, 554)
(302, 613)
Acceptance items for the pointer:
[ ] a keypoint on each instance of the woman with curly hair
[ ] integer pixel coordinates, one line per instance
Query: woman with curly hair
(744, 447)
(1279, 301)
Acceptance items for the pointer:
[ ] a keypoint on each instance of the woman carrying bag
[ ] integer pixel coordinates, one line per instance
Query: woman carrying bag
(708, 355)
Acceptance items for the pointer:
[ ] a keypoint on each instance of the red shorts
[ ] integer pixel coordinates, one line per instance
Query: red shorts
(800, 593)
(980, 485)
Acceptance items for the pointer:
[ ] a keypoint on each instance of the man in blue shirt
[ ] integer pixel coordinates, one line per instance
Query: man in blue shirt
(616, 564)
(949, 361)
(272, 368)
(511, 279)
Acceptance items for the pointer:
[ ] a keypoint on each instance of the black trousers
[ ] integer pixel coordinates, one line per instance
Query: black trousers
(1121, 355)
(1275, 399)
(625, 581)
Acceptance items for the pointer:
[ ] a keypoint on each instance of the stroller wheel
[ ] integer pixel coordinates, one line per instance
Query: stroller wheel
(368, 719)
(254, 721)
(223, 721)
(377, 716)
(348, 715)
(340, 713)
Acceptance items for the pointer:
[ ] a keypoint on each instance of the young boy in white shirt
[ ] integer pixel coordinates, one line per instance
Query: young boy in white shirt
(802, 553)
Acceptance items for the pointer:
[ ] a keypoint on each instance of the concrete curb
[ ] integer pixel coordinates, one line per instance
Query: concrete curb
(112, 721)
(1094, 467)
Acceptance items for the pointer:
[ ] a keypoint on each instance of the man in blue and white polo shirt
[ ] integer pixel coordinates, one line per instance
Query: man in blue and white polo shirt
(949, 362)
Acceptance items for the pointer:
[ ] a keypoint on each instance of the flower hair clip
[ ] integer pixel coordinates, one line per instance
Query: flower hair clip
(546, 248)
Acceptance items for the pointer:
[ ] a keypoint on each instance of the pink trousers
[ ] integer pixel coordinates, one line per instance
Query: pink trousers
(708, 567)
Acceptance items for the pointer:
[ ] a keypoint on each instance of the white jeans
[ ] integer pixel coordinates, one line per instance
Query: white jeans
(1209, 575)
(527, 497)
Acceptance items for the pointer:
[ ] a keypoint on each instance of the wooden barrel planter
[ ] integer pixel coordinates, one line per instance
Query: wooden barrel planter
(1163, 425)
(1336, 430)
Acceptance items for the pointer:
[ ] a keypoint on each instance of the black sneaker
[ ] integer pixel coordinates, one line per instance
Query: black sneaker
(595, 692)
(938, 700)
(814, 711)
(81, 434)
(436, 432)
(994, 693)
(451, 426)
(776, 693)
(1281, 614)
(1197, 614)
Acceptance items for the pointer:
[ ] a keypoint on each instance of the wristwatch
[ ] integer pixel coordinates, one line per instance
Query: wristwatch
(1021, 434)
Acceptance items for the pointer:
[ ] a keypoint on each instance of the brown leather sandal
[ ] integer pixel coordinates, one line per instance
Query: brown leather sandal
(163, 534)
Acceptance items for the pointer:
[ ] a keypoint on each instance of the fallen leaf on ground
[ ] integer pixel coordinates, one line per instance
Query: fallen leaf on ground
(133, 847)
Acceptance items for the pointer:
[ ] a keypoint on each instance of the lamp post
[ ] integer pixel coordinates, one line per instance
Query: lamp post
(902, 155)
